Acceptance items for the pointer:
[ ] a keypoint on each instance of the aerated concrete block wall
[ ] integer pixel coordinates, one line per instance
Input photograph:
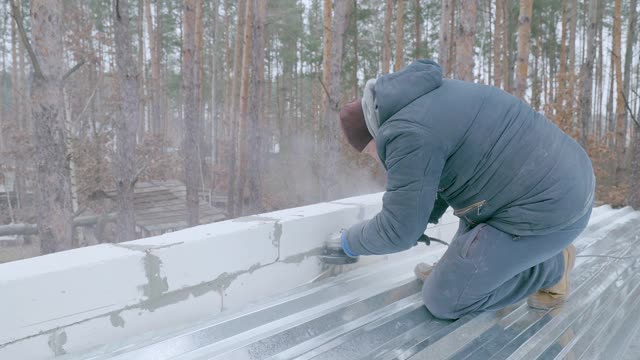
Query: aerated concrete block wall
(78, 300)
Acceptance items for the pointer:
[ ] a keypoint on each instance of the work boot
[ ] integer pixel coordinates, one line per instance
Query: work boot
(546, 299)
(422, 270)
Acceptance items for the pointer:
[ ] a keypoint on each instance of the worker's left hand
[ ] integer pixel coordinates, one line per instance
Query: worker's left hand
(336, 251)
(345, 246)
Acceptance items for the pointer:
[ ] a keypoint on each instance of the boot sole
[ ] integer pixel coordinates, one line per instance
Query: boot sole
(546, 305)
(550, 304)
(422, 271)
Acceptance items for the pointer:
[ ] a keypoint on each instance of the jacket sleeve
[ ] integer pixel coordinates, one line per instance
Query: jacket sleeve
(414, 161)
(439, 208)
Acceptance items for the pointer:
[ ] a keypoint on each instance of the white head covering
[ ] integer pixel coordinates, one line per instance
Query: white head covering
(370, 108)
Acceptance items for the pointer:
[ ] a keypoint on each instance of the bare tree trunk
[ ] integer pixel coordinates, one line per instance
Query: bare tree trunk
(326, 42)
(571, 76)
(599, 71)
(620, 108)
(191, 132)
(161, 92)
(506, 60)
(399, 61)
(466, 40)
(452, 37)
(355, 48)
(3, 71)
(235, 97)
(24, 118)
(225, 130)
(331, 145)
(497, 44)
(524, 35)
(489, 53)
(610, 118)
(536, 85)
(142, 81)
(326, 76)
(257, 129)
(562, 73)
(154, 96)
(634, 185)
(545, 80)
(583, 32)
(198, 63)
(68, 127)
(126, 123)
(241, 174)
(215, 76)
(386, 47)
(586, 75)
(444, 52)
(628, 56)
(418, 26)
(54, 205)
(16, 105)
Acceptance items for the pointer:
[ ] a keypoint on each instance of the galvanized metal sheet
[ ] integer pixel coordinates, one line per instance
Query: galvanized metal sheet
(376, 313)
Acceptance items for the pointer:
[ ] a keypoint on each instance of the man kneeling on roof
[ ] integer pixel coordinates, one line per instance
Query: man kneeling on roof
(522, 188)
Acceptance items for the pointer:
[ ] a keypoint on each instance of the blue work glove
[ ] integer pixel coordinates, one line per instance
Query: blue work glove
(345, 245)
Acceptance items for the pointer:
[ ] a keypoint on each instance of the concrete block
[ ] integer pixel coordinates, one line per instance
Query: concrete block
(115, 330)
(50, 291)
(255, 287)
(215, 253)
(304, 230)
(371, 204)
(33, 348)
(78, 300)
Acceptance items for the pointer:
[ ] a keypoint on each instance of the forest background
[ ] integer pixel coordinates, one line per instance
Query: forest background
(238, 100)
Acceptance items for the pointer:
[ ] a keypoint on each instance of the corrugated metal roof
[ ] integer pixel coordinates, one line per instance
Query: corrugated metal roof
(376, 313)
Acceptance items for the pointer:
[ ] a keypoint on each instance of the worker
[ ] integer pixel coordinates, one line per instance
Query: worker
(522, 188)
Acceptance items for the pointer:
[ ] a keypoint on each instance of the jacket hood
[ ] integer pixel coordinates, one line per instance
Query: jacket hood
(397, 90)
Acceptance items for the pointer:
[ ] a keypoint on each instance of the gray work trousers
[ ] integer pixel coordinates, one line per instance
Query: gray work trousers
(487, 269)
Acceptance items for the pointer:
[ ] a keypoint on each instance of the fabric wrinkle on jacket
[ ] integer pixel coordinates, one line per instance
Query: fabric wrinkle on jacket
(473, 147)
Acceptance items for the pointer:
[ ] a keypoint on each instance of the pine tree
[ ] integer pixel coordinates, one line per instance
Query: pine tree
(331, 148)
(232, 201)
(497, 44)
(386, 47)
(586, 74)
(53, 200)
(445, 43)
(241, 173)
(524, 36)
(466, 40)
(399, 60)
(256, 128)
(620, 107)
(192, 130)
(126, 122)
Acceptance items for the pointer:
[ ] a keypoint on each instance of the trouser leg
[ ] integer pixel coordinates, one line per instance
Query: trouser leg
(487, 269)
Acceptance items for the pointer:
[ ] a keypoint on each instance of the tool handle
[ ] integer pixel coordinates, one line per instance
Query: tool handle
(427, 240)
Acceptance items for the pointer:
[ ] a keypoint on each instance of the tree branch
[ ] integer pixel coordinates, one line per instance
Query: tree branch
(73, 69)
(118, 17)
(324, 87)
(93, 93)
(633, 117)
(140, 171)
(333, 104)
(17, 17)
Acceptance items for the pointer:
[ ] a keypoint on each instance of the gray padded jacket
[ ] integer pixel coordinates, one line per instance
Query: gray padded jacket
(473, 147)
